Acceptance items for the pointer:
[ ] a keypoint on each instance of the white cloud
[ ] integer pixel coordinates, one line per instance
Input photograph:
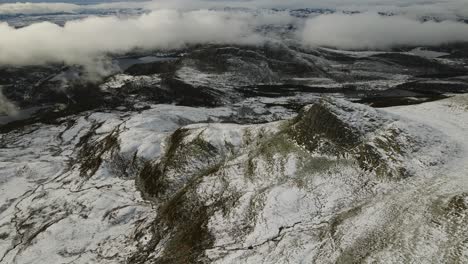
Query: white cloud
(86, 42)
(372, 31)
(82, 41)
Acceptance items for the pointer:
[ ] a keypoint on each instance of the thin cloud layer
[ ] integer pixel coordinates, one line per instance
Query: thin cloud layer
(6, 107)
(373, 31)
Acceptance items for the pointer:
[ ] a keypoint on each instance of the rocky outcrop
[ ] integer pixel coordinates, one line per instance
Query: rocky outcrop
(338, 128)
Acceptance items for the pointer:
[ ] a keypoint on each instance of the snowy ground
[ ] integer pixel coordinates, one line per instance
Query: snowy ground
(69, 192)
(52, 212)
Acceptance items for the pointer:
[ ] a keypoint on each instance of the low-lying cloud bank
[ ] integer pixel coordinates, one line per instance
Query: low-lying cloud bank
(82, 41)
(373, 31)
(87, 42)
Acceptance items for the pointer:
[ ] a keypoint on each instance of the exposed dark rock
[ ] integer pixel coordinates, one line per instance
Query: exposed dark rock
(425, 66)
(183, 218)
(185, 94)
(160, 67)
(342, 129)
(91, 152)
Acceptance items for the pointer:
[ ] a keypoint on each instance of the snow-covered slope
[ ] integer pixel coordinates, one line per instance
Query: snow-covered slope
(68, 190)
(339, 183)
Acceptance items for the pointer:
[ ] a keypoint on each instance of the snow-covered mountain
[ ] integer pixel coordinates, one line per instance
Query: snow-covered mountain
(274, 152)
(340, 182)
